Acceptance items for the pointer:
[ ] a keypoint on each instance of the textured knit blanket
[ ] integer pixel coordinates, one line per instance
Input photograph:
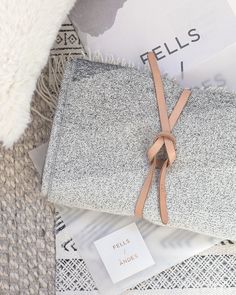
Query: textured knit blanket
(105, 122)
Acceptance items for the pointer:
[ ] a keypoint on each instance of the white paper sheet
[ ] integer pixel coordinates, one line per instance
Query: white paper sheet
(182, 33)
(217, 71)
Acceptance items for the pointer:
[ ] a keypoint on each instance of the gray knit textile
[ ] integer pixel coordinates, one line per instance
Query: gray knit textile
(105, 122)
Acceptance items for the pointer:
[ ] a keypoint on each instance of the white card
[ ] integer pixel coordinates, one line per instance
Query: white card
(124, 253)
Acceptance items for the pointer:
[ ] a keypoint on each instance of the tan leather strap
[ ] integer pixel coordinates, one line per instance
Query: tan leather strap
(165, 137)
(161, 103)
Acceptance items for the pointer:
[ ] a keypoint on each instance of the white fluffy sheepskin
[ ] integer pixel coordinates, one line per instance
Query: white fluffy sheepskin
(28, 29)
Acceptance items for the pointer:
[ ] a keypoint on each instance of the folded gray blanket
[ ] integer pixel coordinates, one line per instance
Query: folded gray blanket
(105, 122)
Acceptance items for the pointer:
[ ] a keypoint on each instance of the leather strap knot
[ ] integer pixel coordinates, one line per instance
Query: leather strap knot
(164, 138)
(167, 135)
(170, 136)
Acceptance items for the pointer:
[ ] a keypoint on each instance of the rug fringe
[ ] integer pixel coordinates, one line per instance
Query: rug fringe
(110, 59)
(49, 83)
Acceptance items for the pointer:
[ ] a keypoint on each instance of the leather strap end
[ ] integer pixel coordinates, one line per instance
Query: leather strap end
(138, 211)
(162, 194)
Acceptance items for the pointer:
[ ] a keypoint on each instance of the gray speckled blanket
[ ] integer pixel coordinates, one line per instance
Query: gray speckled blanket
(107, 119)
